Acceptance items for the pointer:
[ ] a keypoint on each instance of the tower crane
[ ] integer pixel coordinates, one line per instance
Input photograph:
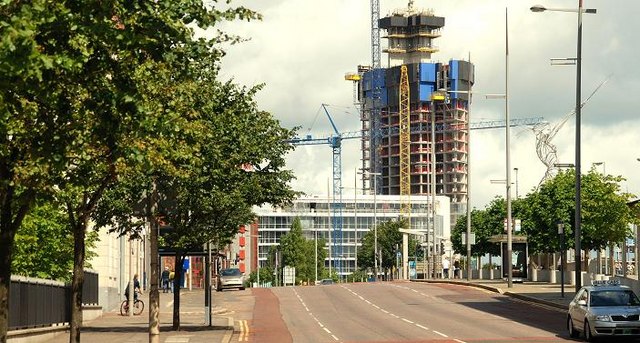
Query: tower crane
(334, 140)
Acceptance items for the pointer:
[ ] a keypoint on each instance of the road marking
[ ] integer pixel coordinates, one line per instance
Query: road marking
(177, 339)
(313, 316)
(244, 331)
(408, 321)
(383, 310)
(440, 333)
(393, 315)
(422, 327)
(459, 341)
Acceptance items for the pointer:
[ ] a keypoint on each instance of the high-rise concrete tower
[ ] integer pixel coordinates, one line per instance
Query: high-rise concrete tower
(439, 98)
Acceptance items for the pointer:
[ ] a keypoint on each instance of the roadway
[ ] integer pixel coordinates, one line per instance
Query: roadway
(398, 312)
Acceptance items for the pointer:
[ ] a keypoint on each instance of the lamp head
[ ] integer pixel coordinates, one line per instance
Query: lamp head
(538, 8)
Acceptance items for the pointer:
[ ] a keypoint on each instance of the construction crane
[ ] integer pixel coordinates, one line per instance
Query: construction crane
(335, 141)
(405, 143)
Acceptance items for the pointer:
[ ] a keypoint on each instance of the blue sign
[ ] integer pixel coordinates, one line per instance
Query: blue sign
(185, 264)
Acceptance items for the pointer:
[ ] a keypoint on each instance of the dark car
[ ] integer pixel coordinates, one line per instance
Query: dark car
(230, 278)
(326, 282)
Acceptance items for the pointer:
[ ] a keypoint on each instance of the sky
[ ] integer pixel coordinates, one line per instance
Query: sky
(302, 49)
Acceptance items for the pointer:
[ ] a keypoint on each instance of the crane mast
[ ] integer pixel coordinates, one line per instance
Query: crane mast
(405, 143)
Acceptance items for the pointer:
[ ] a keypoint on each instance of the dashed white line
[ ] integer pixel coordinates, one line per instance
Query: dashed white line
(422, 327)
(334, 337)
(407, 320)
(327, 330)
(459, 341)
(440, 333)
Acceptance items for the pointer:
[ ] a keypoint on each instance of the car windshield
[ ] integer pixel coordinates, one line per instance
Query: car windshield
(624, 297)
(230, 272)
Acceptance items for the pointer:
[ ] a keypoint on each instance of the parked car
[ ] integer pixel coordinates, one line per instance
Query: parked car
(230, 278)
(326, 282)
(604, 309)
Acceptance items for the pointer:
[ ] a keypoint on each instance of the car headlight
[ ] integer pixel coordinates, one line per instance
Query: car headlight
(603, 318)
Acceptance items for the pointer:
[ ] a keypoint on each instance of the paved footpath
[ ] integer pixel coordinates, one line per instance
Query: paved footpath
(112, 327)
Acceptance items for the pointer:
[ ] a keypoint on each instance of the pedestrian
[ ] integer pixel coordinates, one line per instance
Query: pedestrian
(445, 268)
(136, 288)
(172, 276)
(456, 269)
(165, 279)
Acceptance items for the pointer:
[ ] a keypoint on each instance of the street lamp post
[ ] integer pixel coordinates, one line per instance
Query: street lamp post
(375, 223)
(578, 110)
(516, 171)
(562, 268)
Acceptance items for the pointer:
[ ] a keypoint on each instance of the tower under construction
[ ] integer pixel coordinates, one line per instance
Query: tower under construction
(413, 135)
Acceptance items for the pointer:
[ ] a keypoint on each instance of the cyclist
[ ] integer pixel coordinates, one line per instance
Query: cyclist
(136, 289)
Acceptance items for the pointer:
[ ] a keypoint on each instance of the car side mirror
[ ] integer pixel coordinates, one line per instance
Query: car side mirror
(582, 302)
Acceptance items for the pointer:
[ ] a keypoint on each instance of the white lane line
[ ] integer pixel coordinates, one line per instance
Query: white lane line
(408, 321)
(422, 327)
(459, 341)
(385, 311)
(393, 315)
(311, 314)
(440, 333)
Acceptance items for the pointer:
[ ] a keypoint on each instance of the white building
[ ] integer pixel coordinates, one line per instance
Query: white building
(355, 217)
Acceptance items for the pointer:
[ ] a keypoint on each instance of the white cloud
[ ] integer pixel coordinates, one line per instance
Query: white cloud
(302, 49)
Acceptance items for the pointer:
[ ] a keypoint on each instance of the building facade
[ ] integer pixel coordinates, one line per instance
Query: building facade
(358, 217)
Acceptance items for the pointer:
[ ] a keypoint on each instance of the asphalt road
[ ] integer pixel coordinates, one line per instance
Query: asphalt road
(398, 312)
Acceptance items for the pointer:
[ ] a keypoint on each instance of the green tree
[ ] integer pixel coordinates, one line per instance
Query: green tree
(605, 214)
(44, 245)
(295, 252)
(389, 238)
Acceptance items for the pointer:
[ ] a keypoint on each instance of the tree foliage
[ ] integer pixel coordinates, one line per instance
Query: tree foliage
(389, 243)
(605, 215)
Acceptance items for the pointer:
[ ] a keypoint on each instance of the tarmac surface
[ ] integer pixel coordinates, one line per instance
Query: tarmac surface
(233, 309)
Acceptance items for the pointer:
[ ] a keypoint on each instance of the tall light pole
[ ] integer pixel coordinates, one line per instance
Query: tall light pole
(375, 226)
(355, 215)
(578, 110)
(516, 171)
(375, 222)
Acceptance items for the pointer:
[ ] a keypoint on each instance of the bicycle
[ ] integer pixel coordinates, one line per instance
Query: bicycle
(138, 307)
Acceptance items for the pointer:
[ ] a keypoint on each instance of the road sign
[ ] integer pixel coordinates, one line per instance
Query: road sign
(464, 238)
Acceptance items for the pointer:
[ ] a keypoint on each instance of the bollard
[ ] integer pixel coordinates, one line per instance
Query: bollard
(534, 274)
(552, 276)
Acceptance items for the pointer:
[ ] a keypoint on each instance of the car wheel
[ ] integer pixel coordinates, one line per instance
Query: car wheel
(572, 331)
(587, 332)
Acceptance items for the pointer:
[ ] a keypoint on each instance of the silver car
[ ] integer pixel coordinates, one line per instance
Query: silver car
(604, 309)
(230, 278)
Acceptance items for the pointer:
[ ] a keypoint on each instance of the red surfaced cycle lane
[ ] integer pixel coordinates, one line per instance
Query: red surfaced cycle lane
(267, 324)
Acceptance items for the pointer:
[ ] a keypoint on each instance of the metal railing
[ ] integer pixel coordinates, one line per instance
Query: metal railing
(40, 303)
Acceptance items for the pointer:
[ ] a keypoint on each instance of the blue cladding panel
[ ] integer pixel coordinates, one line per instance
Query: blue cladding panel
(454, 69)
(425, 91)
(428, 73)
(368, 85)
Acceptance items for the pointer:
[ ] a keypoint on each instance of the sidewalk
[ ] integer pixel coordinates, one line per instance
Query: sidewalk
(539, 292)
(112, 327)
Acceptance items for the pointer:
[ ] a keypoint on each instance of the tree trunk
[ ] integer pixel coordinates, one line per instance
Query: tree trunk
(177, 282)
(154, 296)
(7, 238)
(79, 233)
